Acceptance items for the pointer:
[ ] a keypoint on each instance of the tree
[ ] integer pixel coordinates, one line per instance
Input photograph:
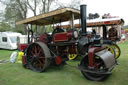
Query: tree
(39, 6)
(72, 4)
(31, 7)
(15, 10)
(18, 9)
(46, 5)
(1, 16)
(4, 26)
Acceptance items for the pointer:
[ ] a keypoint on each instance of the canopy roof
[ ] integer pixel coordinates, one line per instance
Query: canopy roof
(99, 22)
(64, 14)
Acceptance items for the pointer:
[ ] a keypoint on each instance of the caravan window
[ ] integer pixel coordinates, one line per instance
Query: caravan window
(4, 39)
(13, 39)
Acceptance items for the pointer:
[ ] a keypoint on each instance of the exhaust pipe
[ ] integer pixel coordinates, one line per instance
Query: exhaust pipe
(83, 19)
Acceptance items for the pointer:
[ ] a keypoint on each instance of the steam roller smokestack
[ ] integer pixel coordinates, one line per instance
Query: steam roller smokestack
(83, 19)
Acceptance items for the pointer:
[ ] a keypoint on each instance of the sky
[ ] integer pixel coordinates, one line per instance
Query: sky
(114, 7)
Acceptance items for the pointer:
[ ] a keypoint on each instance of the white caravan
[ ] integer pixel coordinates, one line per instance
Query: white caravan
(8, 40)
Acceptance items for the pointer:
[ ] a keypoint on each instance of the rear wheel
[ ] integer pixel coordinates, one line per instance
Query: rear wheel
(100, 67)
(117, 50)
(38, 56)
(72, 56)
(111, 49)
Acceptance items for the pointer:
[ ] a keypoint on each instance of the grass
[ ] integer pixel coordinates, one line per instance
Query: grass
(15, 74)
(4, 54)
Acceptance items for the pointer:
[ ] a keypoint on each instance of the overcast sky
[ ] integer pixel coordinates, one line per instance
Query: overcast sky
(114, 7)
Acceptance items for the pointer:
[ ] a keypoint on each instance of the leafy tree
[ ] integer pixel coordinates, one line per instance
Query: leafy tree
(125, 27)
(15, 10)
(42, 6)
(1, 16)
(18, 10)
(4, 27)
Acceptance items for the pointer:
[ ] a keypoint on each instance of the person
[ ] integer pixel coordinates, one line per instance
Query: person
(58, 29)
(112, 33)
(94, 31)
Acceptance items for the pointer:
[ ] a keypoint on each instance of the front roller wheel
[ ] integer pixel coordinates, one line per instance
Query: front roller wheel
(100, 67)
(38, 56)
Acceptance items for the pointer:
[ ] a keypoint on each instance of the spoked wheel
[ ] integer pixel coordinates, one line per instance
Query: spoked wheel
(72, 56)
(38, 56)
(99, 66)
(117, 50)
(111, 49)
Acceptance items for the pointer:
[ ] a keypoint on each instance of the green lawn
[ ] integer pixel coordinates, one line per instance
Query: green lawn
(15, 74)
(5, 54)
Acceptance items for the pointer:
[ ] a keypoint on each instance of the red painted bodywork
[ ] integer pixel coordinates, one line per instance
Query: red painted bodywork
(24, 60)
(60, 37)
(64, 36)
(91, 52)
(22, 46)
(43, 38)
(58, 60)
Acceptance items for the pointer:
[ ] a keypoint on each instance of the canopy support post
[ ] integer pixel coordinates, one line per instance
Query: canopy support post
(28, 33)
(104, 32)
(72, 20)
(53, 22)
(36, 31)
